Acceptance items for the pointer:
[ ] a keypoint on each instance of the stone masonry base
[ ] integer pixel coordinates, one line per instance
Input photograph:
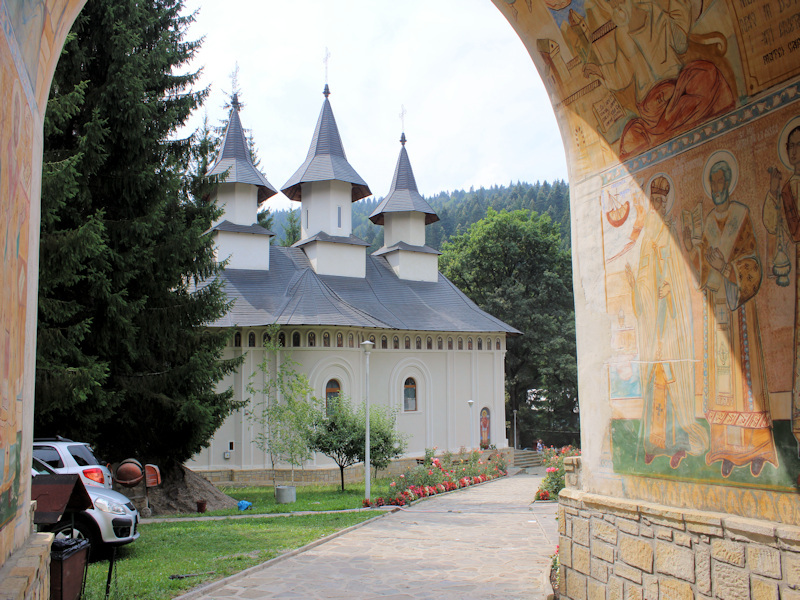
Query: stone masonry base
(26, 573)
(613, 549)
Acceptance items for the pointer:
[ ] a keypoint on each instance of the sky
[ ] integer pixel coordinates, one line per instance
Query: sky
(476, 111)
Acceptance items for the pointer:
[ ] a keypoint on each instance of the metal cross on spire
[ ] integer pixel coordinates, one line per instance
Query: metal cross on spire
(325, 59)
(403, 119)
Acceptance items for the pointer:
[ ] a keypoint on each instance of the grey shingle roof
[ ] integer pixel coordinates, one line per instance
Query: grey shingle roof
(405, 246)
(326, 159)
(255, 228)
(324, 237)
(403, 196)
(291, 293)
(234, 158)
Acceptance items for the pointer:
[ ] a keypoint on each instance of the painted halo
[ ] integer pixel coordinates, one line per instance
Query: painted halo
(783, 138)
(717, 156)
(670, 196)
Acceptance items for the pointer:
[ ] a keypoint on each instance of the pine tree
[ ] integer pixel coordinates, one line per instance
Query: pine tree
(123, 359)
(291, 231)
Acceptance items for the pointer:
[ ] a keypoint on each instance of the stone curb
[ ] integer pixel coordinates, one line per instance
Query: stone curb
(214, 585)
(246, 515)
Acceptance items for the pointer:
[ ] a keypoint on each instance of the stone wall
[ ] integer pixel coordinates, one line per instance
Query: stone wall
(612, 548)
(26, 575)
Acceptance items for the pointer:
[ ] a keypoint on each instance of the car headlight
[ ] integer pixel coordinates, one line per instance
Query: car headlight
(109, 506)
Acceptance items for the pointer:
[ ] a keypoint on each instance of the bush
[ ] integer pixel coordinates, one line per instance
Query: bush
(553, 482)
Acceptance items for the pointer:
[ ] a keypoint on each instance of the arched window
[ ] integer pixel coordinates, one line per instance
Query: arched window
(237, 340)
(408, 343)
(419, 343)
(469, 343)
(384, 342)
(396, 343)
(332, 390)
(350, 341)
(410, 395)
(480, 343)
(439, 345)
(497, 344)
(449, 343)
(339, 340)
(251, 340)
(282, 339)
(488, 343)
(326, 340)
(372, 339)
(312, 339)
(296, 339)
(460, 344)
(265, 339)
(429, 343)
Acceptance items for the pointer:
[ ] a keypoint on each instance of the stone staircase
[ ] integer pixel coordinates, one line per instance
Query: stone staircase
(527, 458)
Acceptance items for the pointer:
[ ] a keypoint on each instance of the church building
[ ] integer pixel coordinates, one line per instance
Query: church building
(434, 349)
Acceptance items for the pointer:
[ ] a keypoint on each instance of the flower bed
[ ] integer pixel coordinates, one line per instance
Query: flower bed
(553, 482)
(445, 474)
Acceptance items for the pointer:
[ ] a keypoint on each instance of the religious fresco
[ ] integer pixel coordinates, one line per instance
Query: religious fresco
(485, 425)
(702, 298)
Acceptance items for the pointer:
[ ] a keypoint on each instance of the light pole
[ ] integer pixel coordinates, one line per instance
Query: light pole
(471, 402)
(367, 347)
(516, 445)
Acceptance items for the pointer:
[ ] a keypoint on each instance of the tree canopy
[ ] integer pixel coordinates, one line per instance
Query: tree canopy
(123, 356)
(513, 265)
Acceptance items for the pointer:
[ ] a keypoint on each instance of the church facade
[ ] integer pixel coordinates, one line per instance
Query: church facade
(434, 349)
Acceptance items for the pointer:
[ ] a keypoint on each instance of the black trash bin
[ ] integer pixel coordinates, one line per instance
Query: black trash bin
(68, 558)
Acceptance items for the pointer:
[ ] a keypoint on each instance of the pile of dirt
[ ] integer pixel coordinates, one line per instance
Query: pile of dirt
(180, 491)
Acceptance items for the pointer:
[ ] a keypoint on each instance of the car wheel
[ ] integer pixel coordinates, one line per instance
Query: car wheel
(79, 530)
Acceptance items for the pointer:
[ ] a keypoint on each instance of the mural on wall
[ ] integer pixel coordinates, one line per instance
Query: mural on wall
(485, 422)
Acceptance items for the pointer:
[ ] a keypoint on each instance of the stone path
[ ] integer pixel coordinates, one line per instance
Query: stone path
(485, 542)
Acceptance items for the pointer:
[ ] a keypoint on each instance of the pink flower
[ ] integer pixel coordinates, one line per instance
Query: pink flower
(551, 469)
(430, 472)
(392, 484)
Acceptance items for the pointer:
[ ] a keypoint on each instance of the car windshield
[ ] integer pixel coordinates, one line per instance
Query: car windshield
(41, 468)
(83, 455)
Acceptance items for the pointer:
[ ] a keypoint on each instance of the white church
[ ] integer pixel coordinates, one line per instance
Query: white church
(434, 349)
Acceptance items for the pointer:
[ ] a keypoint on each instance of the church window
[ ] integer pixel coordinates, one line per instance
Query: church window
(339, 216)
(408, 343)
(488, 343)
(469, 343)
(372, 339)
(339, 340)
(410, 395)
(419, 343)
(396, 343)
(497, 344)
(306, 218)
(480, 344)
(312, 339)
(265, 339)
(439, 343)
(251, 340)
(237, 340)
(449, 343)
(384, 342)
(282, 339)
(350, 341)
(429, 343)
(332, 389)
(296, 339)
(460, 344)
(326, 340)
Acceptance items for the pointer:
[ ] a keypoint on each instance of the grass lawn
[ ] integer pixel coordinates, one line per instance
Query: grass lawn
(222, 547)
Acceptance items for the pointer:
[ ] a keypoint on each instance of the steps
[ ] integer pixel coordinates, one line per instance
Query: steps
(527, 458)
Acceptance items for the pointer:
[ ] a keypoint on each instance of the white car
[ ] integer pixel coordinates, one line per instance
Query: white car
(112, 520)
(65, 456)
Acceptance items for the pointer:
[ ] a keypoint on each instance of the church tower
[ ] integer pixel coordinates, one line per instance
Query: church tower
(404, 213)
(243, 190)
(326, 186)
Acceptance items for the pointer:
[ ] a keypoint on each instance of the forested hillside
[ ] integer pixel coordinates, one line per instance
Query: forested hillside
(459, 209)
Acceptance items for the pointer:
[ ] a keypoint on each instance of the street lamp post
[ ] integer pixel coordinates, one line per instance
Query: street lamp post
(516, 445)
(367, 345)
(471, 402)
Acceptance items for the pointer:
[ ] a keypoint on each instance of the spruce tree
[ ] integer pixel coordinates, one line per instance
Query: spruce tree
(123, 357)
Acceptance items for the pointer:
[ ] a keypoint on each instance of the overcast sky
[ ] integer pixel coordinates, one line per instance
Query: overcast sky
(477, 113)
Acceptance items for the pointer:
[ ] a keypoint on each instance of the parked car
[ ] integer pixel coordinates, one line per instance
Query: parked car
(113, 520)
(66, 456)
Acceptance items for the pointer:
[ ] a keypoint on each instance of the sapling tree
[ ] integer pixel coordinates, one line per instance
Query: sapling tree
(385, 442)
(282, 408)
(340, 434)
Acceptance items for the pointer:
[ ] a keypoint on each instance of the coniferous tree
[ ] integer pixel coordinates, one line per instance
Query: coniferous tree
(123, 359)
(291, 230)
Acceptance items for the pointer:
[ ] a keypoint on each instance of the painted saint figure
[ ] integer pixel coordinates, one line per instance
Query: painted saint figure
(735, 392)
(660, 295)
(782, 222)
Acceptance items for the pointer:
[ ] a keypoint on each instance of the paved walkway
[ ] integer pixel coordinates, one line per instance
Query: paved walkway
(484, 542)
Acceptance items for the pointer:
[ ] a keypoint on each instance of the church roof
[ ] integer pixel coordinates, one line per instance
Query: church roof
(291, 293)
(326, 159)
(255, 228)
(405, 246)
(325, 237)
(234, 157)
(403, 196)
